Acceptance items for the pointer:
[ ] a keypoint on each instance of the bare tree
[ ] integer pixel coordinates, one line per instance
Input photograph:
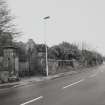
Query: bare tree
(7, 27)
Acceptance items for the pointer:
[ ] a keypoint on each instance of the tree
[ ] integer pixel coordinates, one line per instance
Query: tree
(64, 51)
(31, 55)
(92, 58)
(70, 51)
(55, 52)
(6, 23)
(7, 29)
(41, 48)
(21, 51)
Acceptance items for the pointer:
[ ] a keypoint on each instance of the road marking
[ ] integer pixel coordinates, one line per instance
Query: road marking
(20, 85)
(95, 74)
(38, 98)
(73, 84)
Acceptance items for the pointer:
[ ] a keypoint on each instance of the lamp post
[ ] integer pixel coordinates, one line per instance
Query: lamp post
(45, 29)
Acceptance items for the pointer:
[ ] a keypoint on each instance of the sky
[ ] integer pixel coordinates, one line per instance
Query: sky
(74, 21)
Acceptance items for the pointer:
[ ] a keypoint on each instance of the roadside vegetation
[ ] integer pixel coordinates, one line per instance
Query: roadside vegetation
(65, 54)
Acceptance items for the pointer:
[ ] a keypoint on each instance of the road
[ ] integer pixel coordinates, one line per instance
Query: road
(86, 88)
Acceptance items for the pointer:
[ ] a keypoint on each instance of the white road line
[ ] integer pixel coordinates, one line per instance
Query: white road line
(73, 84)
(38, 98)
(19, 85)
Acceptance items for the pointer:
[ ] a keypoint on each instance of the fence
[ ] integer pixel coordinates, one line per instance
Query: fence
(54, 66)
(59, 66)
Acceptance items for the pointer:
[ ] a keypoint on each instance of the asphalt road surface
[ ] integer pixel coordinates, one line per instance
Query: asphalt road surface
(87, 88)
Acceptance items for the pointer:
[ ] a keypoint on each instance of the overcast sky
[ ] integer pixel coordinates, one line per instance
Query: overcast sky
(71, 20)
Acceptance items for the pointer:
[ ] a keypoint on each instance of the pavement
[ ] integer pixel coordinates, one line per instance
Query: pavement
(85, 88)
(27, 80)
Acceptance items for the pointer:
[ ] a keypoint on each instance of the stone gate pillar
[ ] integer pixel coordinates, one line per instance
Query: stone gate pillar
(10, 62)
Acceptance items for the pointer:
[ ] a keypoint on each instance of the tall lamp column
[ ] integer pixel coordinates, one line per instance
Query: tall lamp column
(45, 29)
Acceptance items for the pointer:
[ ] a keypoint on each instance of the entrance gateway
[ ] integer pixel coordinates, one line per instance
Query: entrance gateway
(10, 64)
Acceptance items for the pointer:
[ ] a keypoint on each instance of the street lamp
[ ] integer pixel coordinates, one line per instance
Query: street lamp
(45, 29)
